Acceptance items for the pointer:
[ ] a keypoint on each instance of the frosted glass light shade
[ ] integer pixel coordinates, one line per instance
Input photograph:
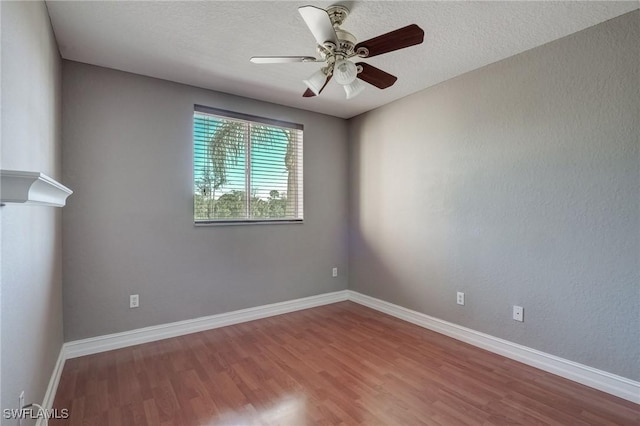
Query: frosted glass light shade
(352, 90)
(316, 81)
(345, 72)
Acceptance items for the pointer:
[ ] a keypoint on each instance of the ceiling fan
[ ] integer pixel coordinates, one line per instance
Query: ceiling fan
(336, 47)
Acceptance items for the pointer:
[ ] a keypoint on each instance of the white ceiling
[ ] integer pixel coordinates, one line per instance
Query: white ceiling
(208, 44)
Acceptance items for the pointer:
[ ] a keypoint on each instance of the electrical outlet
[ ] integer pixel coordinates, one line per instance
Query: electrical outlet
(460, 298)
(518, 313)
(334, 272)
(134, 301)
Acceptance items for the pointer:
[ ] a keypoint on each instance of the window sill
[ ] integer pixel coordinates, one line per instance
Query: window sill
(248, 222)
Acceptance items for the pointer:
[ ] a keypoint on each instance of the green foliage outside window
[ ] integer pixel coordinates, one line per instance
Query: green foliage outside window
(233, 158)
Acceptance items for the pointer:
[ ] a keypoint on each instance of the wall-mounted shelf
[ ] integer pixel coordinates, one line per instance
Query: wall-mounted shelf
(32, 188)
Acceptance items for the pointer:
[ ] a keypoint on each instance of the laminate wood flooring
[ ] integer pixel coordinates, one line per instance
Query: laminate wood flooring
(340, 364)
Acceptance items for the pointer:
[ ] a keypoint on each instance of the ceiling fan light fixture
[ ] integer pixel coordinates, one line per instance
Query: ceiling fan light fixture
(345, 72)
(336, 46)
(316, 81)
(352, 90)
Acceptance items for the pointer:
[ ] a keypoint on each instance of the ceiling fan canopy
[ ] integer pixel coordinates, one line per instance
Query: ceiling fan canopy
(336, 47)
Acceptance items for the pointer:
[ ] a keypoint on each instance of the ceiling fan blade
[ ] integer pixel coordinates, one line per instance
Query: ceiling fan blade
(319, 23)
(281, 59)
(309, 93)
(395, 40)
(375, 76)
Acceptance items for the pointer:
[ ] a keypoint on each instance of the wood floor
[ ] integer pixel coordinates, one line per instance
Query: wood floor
(341, 364)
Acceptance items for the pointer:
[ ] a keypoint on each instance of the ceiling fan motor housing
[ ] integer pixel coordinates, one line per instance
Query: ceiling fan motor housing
(346, 41)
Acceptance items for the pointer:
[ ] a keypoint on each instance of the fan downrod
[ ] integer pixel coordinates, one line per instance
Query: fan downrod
(337, 14)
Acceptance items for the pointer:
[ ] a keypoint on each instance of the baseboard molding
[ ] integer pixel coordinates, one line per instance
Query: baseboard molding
(589, 376)
(52, 388)
(164, 331)
(598, 379)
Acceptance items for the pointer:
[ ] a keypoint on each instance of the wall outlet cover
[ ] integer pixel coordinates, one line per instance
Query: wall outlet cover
(518, 313)
(134, 301)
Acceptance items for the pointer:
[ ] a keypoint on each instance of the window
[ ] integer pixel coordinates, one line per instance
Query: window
(246, 168)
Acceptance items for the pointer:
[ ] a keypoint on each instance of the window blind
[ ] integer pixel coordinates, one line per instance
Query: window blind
(246, 169)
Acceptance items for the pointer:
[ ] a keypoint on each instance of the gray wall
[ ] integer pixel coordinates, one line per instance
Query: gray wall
(31, 236)
(517, 183)
(128, 228)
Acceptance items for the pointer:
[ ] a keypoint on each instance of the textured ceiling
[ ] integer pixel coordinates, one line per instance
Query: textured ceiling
(208, 44)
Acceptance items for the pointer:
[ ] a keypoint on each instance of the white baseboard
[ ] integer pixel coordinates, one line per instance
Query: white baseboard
(164, 331)
(50, 394)
(589, 376)
(598, 379)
